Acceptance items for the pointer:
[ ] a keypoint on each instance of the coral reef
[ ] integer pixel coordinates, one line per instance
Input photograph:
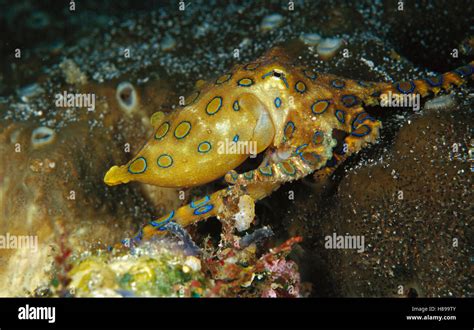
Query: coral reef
(161, 268)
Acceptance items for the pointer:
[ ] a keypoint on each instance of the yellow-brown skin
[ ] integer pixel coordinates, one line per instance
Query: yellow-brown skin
(288, 110)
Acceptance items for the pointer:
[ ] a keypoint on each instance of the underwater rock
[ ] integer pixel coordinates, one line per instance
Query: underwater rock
(43, 194)
(410, 229)
(52, 185)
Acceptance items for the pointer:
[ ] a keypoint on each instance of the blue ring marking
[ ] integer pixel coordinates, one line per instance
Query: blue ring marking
(301, 147)
(266, 171)
(316, 135)
(363, 134)
(301, 91)
(205, 199)
(435, 81)
(245, 85)
(405, 91)
(233, 174)
(361, 120)
(321, 112)
(163, 222)
(246, 67)
(236, 138)
(218, 108)
(349, 100)
(364, 83)
(139, 236)
(146, 166)
(248, 175)
(194, 99)
(203, 209)
(376, 94)
(338, 83)
(310, 74)
(228, 75)
(341, 116)
(278, 102)
(318, 158)
(164, 134)
(355, 121)
(267, 74)
(290, 123)
(236, 106)
(158, 161)
(281, 78)
(187, 133)
(206, 143)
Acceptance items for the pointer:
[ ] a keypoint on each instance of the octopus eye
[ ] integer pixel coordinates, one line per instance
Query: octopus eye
(277, 74)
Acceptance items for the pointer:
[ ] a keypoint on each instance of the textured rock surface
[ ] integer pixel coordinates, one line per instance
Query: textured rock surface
(411, 199)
